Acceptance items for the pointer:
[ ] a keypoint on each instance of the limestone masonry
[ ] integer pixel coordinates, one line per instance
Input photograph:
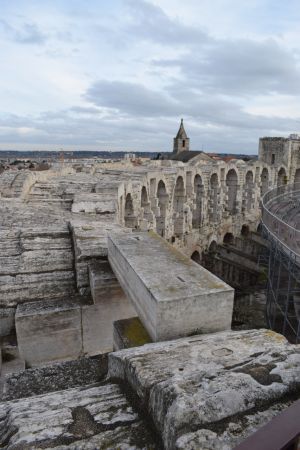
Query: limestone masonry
(101, 255)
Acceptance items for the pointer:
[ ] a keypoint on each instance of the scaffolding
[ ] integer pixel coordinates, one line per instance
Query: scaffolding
(280, 212)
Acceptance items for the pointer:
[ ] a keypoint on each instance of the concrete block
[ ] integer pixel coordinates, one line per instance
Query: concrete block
(49, 332)
(172, 295)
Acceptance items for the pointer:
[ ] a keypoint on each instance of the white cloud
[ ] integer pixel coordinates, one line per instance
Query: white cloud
(120, 74)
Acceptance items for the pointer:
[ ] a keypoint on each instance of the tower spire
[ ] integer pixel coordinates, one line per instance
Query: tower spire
(181, 141)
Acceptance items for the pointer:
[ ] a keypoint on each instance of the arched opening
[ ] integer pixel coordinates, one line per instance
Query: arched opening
(213, 247)
(144, 197)
(228, 239)
(259, 228)
(121, 208)
(245, 230)
(264, 181)
(178, 207)
(196, 257)
(249, 189)
(146, 207)
(198, 192)
(297, 176)
(213, 198)
(281, 177)
(162, 197)
(129, 217)
(232, 187)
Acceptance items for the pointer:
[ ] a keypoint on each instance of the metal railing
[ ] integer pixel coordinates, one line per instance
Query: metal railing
(281, 433)
(287, 234)
(280, 208)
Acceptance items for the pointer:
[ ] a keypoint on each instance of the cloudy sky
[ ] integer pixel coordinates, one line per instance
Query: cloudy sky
(119, 74)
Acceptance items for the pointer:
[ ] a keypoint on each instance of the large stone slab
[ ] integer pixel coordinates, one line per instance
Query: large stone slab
(92, 417)
(211, 391)
(49, 332)
(172, 295)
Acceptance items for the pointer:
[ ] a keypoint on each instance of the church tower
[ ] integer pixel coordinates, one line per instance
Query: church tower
(181, 141)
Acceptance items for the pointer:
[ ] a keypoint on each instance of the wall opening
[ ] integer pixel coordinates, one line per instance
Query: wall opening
(245, 230)
(198, 193)
(196, 257)
(228, 239)
(178, 207)
(232, 188)
(297, 176)
(163, 198)
(213, 212)
(281, 177)
(249, 191)
(264, 181)
(129, 217)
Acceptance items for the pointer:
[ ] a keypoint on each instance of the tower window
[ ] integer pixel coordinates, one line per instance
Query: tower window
(183, 143)
(273, 158)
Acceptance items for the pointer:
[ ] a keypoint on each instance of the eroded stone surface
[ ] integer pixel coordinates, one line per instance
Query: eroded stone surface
(194, 383)
(84, 418)
(231, 433)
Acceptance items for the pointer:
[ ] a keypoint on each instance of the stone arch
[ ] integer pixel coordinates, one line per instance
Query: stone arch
(297, 176)
(178, 206)
(245, 230)
(228, 239)
(232, 188)
(130, 219)
(144, 197)
(213, 198)
(196, 257)
(281, 178)
(249, 190)
(213, 246)
(146, 207)
(198, 195)
(264, 181)
(259, 228)
(162, 198)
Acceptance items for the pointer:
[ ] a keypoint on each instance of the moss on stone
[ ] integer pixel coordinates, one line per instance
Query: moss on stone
(134, 333)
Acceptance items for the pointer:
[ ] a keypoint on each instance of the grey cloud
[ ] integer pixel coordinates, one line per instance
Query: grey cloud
(130, 98)
(30, 34)
(149, 22)
(27, 33)
(138, 102)
(241, 68)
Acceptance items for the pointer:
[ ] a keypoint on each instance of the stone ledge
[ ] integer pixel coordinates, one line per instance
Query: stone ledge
(196, 383)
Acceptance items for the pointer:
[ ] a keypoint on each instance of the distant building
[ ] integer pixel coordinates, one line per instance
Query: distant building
(181, 147)
(129, 156)
(181, 141)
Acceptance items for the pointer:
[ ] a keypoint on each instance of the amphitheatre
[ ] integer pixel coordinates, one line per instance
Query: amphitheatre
(149, 304)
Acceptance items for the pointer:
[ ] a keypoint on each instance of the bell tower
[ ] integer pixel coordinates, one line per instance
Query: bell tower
(181, 141)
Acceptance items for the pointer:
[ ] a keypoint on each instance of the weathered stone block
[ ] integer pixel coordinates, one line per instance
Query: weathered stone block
(192, 385)
(187, 299)
(49, 331)
(89, 418)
